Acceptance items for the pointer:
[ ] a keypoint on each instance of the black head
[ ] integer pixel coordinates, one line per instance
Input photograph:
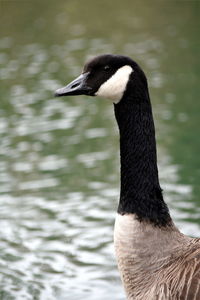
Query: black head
(105, 75)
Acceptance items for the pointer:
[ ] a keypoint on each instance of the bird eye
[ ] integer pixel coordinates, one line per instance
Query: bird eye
(106, 68)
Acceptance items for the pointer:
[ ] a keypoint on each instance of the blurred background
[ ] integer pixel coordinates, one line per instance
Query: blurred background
(59, 157)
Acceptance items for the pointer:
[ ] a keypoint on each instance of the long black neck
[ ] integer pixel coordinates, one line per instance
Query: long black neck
(140, 189)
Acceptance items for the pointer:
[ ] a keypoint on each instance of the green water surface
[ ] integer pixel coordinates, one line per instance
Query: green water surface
(59, 157)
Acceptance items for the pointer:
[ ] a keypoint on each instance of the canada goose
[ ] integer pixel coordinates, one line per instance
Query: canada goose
(155, 260)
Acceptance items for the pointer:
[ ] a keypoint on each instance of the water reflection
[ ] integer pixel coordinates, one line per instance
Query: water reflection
(59, 165)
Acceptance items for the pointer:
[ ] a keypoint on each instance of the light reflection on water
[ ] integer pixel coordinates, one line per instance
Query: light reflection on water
(59, 165)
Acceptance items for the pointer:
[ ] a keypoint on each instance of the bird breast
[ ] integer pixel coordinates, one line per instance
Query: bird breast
(152, 260)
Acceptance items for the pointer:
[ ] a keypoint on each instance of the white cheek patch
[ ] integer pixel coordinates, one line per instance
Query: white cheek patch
(115, 86)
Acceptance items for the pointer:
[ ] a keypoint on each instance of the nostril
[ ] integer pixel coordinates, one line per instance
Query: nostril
(75, 85)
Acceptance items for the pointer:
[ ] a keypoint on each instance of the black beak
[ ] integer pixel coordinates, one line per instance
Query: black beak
(76, 87)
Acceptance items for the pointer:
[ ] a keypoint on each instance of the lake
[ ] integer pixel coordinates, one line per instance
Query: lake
(59, 157)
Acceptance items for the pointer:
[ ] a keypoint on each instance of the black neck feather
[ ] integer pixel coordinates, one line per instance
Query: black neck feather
(140, 189)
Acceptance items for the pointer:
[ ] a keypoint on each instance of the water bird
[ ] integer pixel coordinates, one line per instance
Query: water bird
(155, 260)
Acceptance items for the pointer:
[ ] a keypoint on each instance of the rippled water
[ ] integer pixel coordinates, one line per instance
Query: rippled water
(59, 158)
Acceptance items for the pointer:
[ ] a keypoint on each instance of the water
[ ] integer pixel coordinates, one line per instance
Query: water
(59, 157)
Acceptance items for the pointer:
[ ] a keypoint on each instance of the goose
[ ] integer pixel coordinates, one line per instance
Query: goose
(155, 260)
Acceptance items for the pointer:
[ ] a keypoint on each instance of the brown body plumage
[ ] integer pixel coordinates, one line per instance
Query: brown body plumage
(156, 263)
